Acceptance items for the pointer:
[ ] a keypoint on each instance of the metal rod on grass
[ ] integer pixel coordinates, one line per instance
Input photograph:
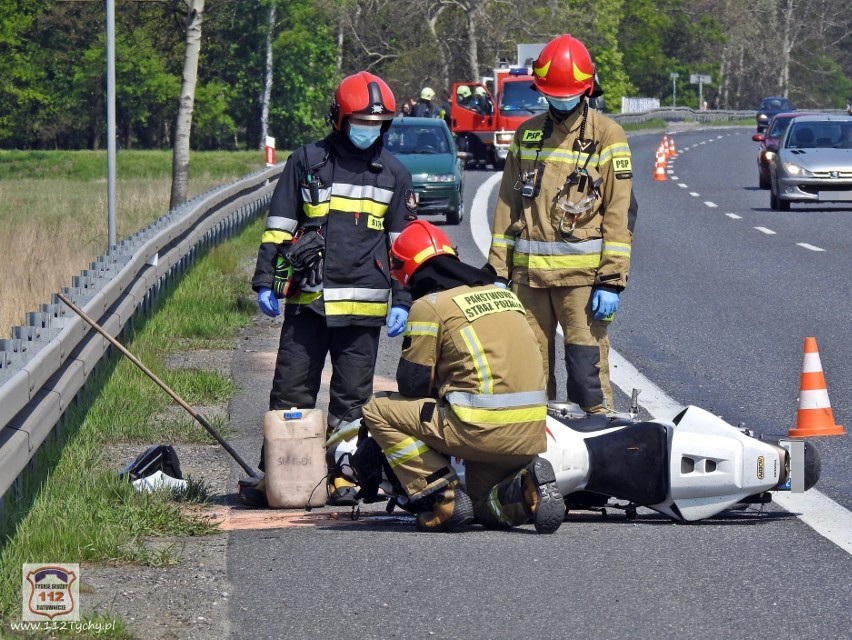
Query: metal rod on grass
(163, 385)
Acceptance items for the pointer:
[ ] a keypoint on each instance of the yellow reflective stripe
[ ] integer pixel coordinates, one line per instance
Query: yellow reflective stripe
(421, 329)
(303, 298)
(617, 150)
(554, 154)
(402, 452)
(317, 211)
(496, 507)
(275, 237)
(616, 248)
(500, 416)
(502, 241)
(556, 262)
(477, 352)
(377, 209)
(352, 308)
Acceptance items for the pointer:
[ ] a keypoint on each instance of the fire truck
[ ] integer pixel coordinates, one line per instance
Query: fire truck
(484, 116)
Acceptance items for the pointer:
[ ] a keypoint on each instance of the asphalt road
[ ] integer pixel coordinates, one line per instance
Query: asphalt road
(715, 315)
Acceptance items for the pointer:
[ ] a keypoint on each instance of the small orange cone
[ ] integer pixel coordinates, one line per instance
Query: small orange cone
(672, 150)
(815, 416)
(660, 167)
(665, 145)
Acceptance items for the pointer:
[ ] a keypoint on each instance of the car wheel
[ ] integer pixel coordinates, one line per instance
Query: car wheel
(454, 217)
(783, 205)
(762, 181)
(773, 199)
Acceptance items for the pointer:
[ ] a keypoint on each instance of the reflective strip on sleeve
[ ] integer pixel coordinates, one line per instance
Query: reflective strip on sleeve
(617, 150)
(421, 329)
(275, 237)
(616, 249)
(280, 223)
(502, 241)
(405, 451)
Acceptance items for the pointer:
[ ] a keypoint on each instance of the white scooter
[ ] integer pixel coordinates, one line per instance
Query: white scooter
(690, 468)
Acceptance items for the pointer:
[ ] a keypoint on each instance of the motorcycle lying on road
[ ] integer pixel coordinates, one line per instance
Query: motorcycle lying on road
(689, 468)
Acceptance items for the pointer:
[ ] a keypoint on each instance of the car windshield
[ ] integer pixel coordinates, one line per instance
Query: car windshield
(520, 96)
(776, 104)
(408, 139)
(779, 127)
(820, 135)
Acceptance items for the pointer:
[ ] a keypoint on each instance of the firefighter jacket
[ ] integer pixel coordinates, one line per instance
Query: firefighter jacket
(473, 350)
(535, 241)
(361, 201)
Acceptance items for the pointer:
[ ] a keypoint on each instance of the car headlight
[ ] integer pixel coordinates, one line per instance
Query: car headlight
(796, 170)
(440, 177)
(762, 117)
(505, 138)
(768, 155)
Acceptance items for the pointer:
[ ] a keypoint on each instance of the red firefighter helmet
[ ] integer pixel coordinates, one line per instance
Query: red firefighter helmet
(564, 68)
(364, 95)
(419, 242)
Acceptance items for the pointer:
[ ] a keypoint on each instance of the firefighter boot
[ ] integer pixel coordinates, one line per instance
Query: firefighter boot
(451, 510)
(541, 496)
(340, 487)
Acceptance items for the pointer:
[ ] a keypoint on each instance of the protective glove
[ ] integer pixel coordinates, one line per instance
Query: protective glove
(397, 318)
(267, 302)
(502, 284)
(604, 303)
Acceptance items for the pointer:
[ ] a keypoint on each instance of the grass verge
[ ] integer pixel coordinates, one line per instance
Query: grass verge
(77, 509)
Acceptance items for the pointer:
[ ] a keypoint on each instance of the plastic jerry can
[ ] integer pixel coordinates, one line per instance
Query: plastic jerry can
(294, 457)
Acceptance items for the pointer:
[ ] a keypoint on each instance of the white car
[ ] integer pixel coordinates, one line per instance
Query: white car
(813, 163)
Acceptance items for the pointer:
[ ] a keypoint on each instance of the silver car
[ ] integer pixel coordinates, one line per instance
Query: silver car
(813, 163)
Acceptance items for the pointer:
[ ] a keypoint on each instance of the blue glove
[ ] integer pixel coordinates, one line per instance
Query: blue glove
(397, 318)
(604, 303)
(267, 302)
(502, 284)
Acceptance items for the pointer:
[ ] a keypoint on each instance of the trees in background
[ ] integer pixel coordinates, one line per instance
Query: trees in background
(52, 78)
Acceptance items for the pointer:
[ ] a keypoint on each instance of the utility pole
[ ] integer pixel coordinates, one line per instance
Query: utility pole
(700, 80)
(110, 35)
(674, 77)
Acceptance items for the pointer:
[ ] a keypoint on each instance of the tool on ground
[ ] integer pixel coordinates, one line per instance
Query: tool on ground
(162, 385)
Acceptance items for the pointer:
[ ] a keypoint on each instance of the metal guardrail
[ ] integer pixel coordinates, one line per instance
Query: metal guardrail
(47, 362)
(685, 114)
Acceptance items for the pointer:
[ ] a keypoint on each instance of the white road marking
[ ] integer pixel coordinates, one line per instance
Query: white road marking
(821, 513)
(810, 247)
(734, 216)
(712, 205)
(694, 194)
(768, 232)
(683, 186)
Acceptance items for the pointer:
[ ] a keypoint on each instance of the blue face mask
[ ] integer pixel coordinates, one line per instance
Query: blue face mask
(362, 135)
(564, 105)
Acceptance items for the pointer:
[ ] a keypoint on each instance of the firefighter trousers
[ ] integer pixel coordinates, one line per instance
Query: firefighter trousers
(586, 342)
(418, 440)
(305, 342)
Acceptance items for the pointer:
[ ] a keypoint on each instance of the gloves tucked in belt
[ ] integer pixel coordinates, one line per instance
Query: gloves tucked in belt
(306, 256)
(397, 318)
(604, 303)
(267, 302)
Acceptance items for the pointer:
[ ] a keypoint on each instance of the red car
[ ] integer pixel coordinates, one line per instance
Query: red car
(769, 143)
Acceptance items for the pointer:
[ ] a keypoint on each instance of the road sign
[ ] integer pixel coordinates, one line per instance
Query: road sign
(699, 79)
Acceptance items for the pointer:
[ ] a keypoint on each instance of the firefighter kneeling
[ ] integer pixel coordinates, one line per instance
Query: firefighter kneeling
(471, 385)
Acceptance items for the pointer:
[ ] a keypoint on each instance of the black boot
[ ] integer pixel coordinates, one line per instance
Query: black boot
(542, 496)
(451, 510)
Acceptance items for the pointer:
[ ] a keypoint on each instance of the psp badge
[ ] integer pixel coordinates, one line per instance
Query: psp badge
(50, 591)
(410, 200)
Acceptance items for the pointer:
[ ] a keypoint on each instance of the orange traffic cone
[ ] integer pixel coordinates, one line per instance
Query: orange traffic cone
(815, 416)
(672, 150)
(660, 167)
(665, 145)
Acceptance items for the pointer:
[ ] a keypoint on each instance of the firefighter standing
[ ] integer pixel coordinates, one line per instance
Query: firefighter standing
(423, 108)
(465, 390)
(344, 199)
(563, 225)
